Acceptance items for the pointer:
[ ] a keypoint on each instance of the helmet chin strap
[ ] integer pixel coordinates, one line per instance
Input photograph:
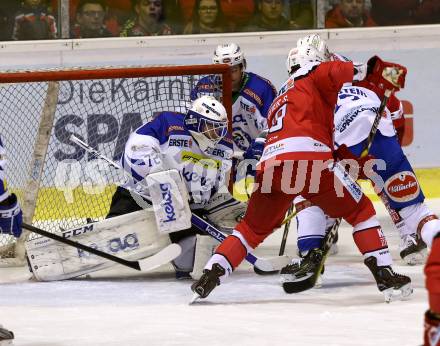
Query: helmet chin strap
(203, 142)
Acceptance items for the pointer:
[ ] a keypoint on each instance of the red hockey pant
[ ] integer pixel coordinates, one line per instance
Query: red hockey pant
(267, 209)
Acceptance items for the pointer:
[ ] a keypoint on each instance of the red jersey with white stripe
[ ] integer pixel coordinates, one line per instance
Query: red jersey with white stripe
(301, 119)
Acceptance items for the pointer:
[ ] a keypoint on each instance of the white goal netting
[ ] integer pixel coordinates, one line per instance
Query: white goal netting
(58, 184)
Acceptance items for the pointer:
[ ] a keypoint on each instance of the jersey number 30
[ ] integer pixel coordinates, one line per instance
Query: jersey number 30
(277, 121)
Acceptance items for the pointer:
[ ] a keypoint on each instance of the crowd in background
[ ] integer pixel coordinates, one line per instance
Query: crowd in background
(38, 19)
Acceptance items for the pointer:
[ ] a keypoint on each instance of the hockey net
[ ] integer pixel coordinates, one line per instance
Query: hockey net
(58, 184)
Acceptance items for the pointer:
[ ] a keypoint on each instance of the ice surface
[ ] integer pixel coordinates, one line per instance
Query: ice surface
(119, 307)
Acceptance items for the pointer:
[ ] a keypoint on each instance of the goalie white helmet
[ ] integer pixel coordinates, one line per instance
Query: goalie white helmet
(230, 54)
(311, 48)
(207, 121)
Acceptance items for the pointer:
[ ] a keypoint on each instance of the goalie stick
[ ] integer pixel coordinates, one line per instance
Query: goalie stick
(165, 255)
(264, 264)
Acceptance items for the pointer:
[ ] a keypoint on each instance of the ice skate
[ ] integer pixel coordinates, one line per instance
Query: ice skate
(209, 280)
(394, 286)
(412, 249)
(6, 336)
(303, 273)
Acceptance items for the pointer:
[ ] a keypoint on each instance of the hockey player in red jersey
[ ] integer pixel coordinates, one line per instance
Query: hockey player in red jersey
(432, 272)
(299, 152)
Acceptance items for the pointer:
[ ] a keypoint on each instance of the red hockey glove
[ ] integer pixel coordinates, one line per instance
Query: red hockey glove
(343, 153)
(386, 75)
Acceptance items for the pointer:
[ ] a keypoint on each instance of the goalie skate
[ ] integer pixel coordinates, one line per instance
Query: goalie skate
(6, 336)
(413, 250)
(393, 286)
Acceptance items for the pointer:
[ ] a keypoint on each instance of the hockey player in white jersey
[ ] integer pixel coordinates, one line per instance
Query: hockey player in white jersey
(198, 145)
(10, 223)
(252, 96)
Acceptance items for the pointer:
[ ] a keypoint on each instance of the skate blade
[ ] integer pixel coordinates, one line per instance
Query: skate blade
(416, 258)
(392, 295)
(195, 298)
(286, 278)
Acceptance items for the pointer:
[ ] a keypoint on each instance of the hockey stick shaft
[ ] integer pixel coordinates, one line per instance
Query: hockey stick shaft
(291, 214)
(201, 224)
(376, 122)
(130, 264)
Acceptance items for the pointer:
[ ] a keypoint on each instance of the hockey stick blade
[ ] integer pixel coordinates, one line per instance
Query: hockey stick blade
(262, 272)
(271, 264)
(164, 256)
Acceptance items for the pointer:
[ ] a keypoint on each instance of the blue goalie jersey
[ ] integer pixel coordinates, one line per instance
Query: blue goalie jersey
(164, 143)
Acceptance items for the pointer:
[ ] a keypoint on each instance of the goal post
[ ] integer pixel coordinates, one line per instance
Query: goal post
(58, 185)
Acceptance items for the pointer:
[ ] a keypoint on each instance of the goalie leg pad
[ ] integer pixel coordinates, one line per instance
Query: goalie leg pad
(205, 248)
(131, 236)
(185, 261)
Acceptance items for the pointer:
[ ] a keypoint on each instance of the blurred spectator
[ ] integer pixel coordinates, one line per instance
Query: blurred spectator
(90, 20)
(236, 12)
(393, 12)
(269, 17)
(173, 14)
(301, 14)
(149, 20)
(428, 12)
(8, 9)
(118, 12)
(33, 22)
(207, 18)
(347, 14)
